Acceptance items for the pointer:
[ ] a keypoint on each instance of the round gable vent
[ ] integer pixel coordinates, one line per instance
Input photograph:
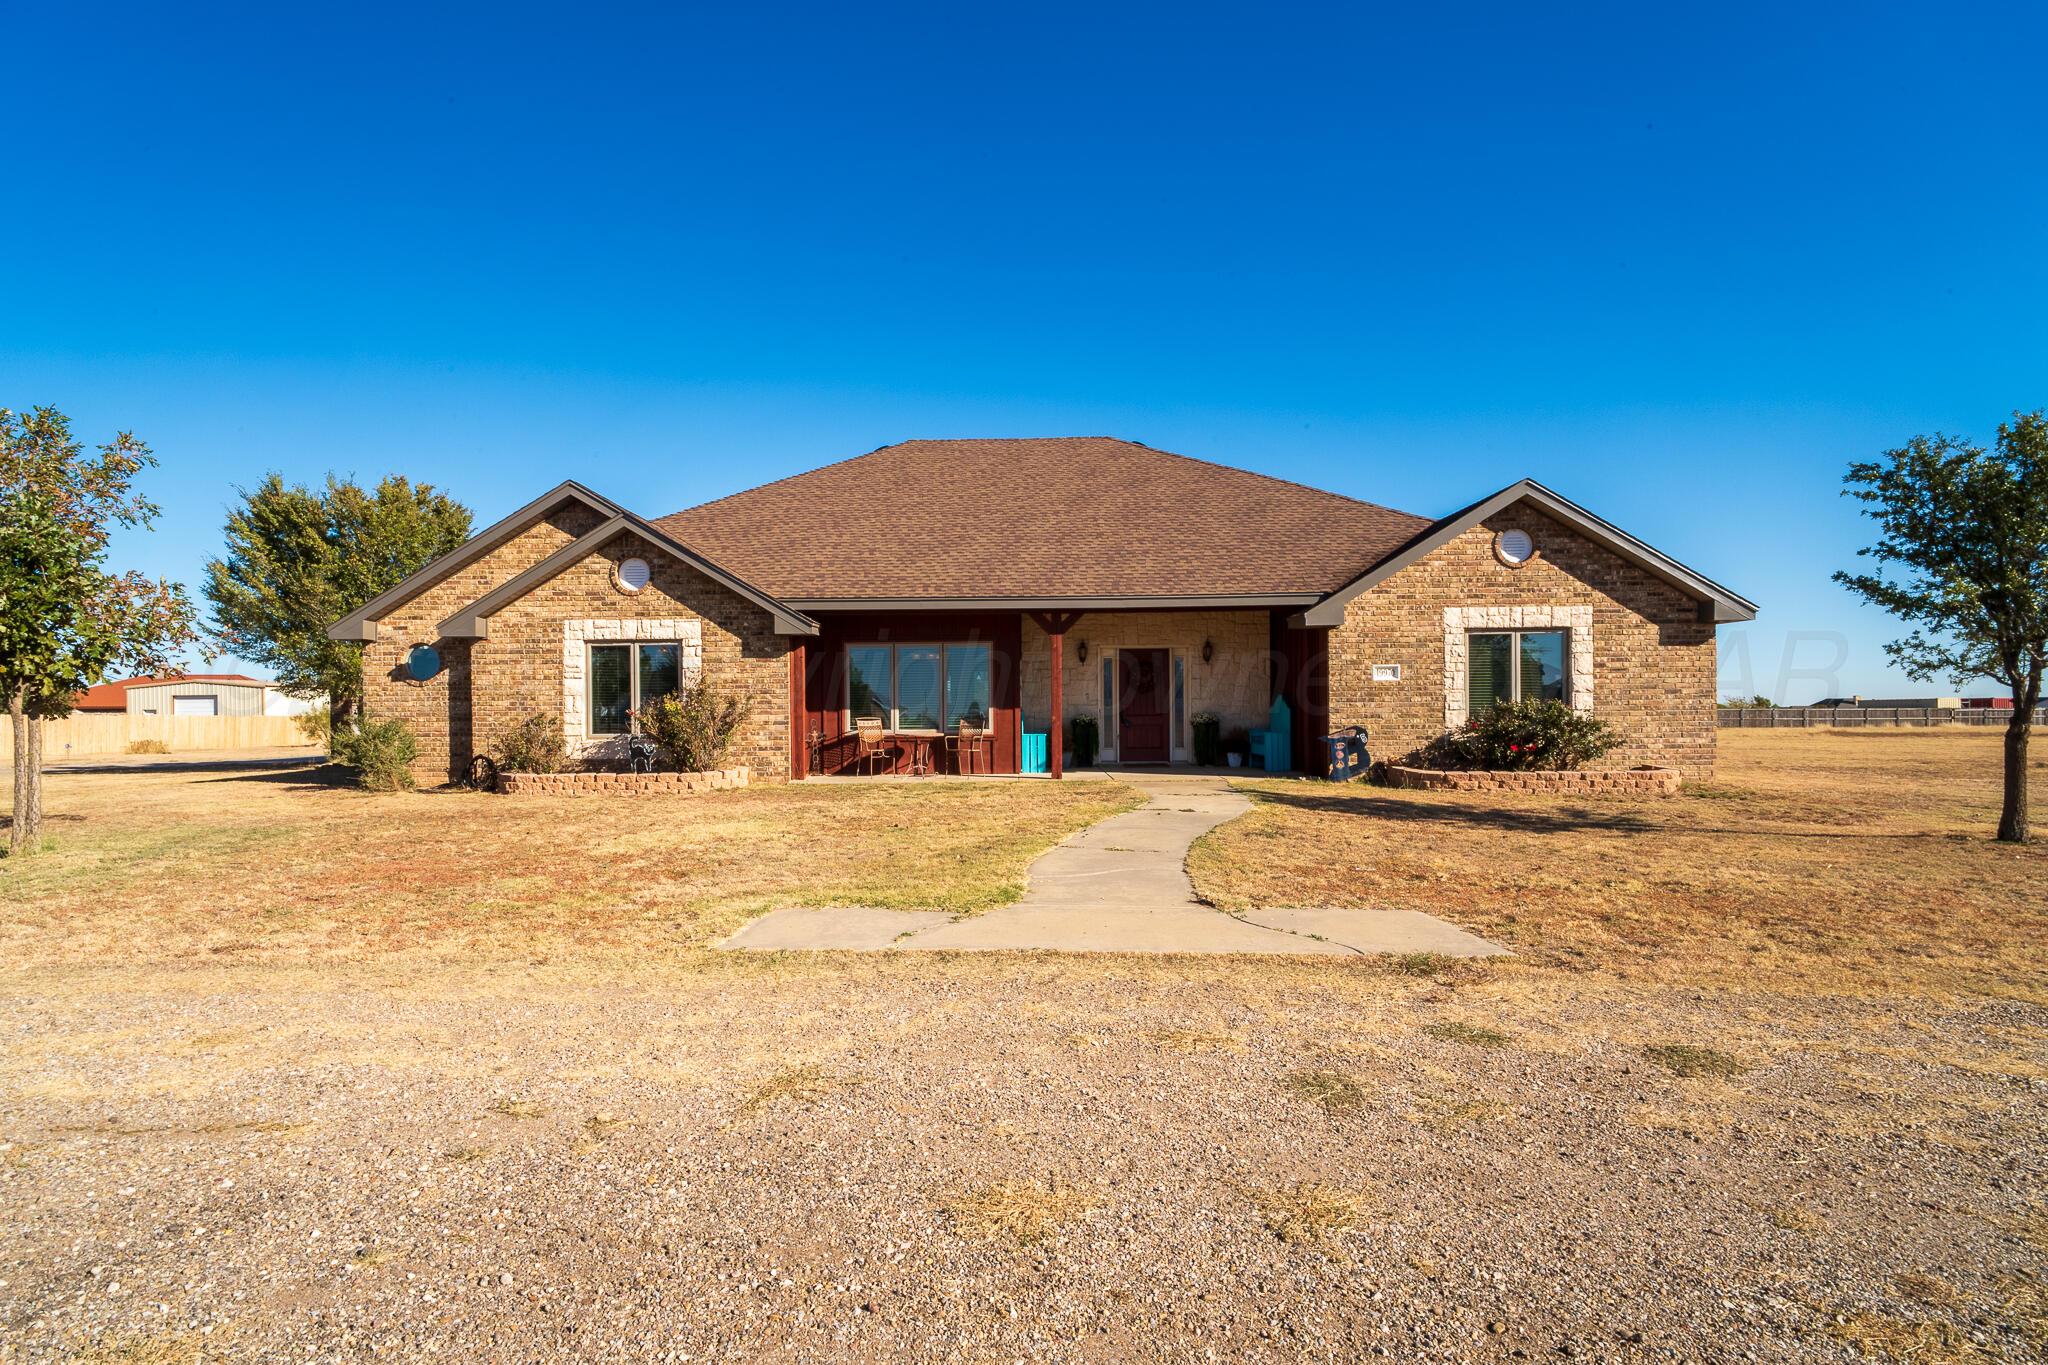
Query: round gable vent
(633, 574)
(1514, 547)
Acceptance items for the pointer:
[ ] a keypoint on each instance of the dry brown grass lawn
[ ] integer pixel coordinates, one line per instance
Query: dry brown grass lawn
(280, 864)
(1764, 1078)
(1850, 861)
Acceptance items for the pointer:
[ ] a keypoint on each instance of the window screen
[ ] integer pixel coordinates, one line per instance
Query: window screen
(868, 690)
(1524, 665)
(967, 671)
(611, 688)
(1490, 680)
(917, 687)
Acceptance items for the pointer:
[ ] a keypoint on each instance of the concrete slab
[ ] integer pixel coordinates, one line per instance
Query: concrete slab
(1121, 886)
(854, 927)
(1378, 931)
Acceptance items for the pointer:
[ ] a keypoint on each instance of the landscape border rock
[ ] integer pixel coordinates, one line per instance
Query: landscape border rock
(620, 784)
(1572, 782)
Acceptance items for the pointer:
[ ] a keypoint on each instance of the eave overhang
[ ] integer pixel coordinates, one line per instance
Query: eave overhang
(1717, 603)
(1170, 602)
(473, 621)
(362, 624)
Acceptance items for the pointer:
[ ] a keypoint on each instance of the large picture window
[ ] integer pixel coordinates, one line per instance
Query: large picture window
(1515, 665)
(967, 687)
(624, 678)
(919, 687)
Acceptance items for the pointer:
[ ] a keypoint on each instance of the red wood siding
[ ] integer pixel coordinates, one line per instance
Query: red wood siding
(1301, 673)
(824, 689)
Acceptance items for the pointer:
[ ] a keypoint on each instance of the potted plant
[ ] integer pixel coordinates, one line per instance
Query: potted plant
(1087, 738)
(1208, 739)
(1237, 746)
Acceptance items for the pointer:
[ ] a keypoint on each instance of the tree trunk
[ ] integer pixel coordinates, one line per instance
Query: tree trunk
(17, 830)
(35, 782)
(341, 711)
(2012, 819)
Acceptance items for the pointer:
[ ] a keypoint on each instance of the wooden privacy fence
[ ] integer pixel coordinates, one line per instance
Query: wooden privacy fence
(1771, 717)
(87, 733)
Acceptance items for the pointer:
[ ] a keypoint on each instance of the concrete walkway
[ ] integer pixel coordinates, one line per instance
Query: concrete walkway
(1121, 886)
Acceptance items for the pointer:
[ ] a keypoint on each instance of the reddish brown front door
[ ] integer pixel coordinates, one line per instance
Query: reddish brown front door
(1141, 725)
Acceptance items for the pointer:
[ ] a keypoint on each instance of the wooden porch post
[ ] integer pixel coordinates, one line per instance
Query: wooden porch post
(799, 714)
(1056, 625)
(1055, 754)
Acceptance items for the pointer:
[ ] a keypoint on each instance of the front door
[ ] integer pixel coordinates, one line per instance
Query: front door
(1142, 706)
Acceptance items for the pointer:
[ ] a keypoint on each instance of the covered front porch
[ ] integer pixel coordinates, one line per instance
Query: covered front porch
(996, 692)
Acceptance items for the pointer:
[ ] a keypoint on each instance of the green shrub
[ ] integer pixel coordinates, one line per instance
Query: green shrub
(694, 728)
(1522, 736)
(534, 745)
(1087, 740)
(381, 752)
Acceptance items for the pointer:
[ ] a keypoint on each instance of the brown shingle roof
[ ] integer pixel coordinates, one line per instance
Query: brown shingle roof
(1039, 517)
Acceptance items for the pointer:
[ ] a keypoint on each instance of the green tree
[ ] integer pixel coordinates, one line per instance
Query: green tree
(65, 621)
(299, 560)
(1969, 528)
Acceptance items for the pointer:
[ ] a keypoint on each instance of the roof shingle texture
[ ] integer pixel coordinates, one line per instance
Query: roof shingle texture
(1038, 517)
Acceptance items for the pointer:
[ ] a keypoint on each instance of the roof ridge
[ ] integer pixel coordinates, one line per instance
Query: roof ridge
(777, 483)
(1275, 478)
(985, 440)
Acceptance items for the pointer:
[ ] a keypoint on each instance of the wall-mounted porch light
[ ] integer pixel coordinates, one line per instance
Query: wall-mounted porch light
(1084, 651)
(1208, 651)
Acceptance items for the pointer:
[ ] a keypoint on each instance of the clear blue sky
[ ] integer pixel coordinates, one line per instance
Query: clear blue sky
(1682, 267)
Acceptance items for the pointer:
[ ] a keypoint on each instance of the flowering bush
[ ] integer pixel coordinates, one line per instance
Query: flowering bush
(695, 728)
(1525, 735)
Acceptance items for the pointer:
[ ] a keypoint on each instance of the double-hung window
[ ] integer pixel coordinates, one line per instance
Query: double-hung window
(624, 678)
(919, 686)
(1516, 665)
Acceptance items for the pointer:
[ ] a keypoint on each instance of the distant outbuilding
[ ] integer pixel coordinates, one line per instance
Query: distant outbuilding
(195, 694)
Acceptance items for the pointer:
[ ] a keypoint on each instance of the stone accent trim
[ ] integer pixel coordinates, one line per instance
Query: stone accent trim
(1574, 782)
(687, 632)
(620, 784)
(1460, 621)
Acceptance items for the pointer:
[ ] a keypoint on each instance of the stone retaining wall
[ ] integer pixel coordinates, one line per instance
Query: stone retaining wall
(1581, 782)
(619, 784)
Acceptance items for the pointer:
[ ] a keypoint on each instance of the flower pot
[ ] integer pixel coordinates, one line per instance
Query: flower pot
(1236, 759)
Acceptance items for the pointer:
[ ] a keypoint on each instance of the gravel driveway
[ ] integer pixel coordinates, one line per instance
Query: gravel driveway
(728, 1157)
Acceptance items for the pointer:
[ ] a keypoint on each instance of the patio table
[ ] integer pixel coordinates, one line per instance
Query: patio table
(919, 744)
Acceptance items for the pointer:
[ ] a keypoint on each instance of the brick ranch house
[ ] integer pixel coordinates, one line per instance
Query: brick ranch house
(1022, 583)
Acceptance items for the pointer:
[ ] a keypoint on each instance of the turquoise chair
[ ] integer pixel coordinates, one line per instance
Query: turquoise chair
(1273, 747)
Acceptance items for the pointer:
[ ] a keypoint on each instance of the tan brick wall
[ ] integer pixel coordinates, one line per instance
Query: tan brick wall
(519, 668)
(438, 710)
(1591, 782)
(1233, 684)
(1653, 659)
(489, 685)
(620, 784)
